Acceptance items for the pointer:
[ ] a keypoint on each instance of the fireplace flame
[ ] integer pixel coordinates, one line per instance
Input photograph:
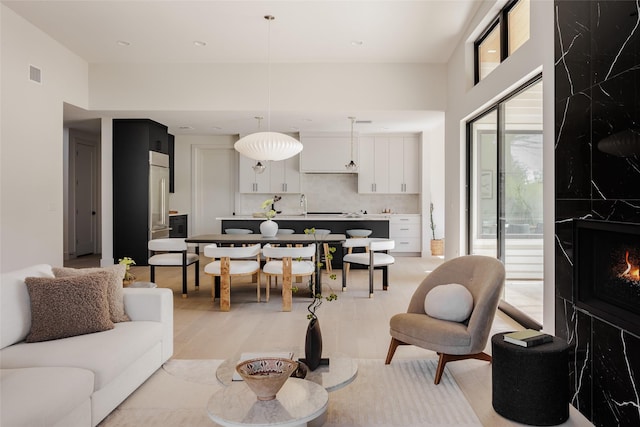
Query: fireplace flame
(632, 272)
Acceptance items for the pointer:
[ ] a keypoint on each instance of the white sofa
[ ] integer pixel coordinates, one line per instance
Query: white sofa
(77, 381)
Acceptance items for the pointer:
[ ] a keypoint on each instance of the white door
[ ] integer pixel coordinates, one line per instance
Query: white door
(213, 187)
(85, 197)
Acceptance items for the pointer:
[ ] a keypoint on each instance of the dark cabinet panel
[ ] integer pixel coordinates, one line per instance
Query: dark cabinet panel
(132, 139)
(171, 162)
(178, 224)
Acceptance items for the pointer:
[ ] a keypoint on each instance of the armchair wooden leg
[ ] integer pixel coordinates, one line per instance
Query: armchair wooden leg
(392, 349)
(444, 358)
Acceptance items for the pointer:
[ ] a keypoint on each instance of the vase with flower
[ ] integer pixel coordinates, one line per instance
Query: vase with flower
(128, 278)
(269, 228)
(313, 338)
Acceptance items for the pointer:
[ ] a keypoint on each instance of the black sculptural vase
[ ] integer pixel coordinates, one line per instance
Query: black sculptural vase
(313, 344)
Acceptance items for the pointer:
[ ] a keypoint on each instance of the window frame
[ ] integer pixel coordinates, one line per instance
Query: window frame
(501, 19)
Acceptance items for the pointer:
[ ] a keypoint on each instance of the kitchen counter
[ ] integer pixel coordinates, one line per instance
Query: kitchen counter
(312, 217)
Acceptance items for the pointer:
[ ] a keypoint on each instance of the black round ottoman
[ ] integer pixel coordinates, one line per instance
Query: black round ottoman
(531, 385)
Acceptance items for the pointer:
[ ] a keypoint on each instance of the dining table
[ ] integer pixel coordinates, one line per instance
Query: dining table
(280, 239)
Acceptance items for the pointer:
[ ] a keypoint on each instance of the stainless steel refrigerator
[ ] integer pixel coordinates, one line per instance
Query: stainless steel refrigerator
(158, 195)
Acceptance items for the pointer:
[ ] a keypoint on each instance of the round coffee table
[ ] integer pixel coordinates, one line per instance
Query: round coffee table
(342, 370)
(298, 403)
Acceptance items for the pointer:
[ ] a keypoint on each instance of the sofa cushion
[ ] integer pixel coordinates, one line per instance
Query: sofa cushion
(116, 300)
(15, 306)
(107, 354)
(42, 396)
(451, 302)
(68, 306)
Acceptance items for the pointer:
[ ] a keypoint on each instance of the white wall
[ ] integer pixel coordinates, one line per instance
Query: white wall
(466, 100)
(294, 87)
(31, 141)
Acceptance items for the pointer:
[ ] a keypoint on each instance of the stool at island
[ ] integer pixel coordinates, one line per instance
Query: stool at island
(531, 385)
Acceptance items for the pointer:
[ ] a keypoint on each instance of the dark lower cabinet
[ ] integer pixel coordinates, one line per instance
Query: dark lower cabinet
(178, 224)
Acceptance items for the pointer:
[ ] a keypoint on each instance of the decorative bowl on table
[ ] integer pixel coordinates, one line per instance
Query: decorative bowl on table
(266, 376)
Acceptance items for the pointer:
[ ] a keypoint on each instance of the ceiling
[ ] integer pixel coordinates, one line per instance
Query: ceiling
(304, 31)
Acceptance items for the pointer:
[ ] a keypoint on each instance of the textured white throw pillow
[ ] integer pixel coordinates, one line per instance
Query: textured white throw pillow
(451, 302)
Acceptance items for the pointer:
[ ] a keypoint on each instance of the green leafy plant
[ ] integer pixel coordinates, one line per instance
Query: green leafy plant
(128, 262)
(318, 298)
(433, 224)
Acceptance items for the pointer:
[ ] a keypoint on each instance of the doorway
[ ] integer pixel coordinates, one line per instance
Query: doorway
(505, 196)
(82, 222)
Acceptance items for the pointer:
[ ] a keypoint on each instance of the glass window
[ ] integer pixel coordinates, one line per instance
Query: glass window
(518, 25)
(505, 35)
(505, 197)
(489, 52)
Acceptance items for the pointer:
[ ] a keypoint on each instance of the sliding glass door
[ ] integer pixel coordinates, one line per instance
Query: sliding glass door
(505, 199)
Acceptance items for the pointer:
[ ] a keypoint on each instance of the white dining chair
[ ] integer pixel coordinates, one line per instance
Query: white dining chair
(375, 258)
(173, 252)
(231, 262)
(288, 262)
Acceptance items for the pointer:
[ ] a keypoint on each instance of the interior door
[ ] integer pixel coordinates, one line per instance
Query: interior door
(85, 197)
(214, 185)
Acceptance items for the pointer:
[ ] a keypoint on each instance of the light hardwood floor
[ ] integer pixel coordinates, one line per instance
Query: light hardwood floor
(354, 325)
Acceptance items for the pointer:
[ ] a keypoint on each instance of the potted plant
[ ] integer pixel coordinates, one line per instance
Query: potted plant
(129, 278)
(437, 245)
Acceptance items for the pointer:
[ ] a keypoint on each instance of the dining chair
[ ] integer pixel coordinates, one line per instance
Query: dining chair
(288, 262)
(374, 258)
(356, 233)
(231, 262)
(173, 252)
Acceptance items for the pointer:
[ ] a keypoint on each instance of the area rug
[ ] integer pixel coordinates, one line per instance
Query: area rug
(399, 394)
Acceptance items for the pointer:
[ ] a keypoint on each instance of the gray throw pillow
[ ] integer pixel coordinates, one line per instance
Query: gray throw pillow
(68, 306)
(116, 298)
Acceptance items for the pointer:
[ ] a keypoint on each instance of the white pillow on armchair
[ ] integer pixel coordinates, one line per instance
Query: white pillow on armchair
(451, 302)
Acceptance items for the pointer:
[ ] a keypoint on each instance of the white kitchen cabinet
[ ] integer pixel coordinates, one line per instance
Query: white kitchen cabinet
(406, 231)
(284, 175)
(279, 177)
(373, 169)
(404, 161)
(327, 153)
(248, 180)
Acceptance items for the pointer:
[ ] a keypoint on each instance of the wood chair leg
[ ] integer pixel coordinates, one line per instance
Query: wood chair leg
(444, 358)
(225, 285)
(286, 284)
(392, 349)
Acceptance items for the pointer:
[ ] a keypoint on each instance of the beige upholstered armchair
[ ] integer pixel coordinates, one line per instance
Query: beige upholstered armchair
(484, 278)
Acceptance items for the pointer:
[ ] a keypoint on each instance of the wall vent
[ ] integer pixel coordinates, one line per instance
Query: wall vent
(35, 74)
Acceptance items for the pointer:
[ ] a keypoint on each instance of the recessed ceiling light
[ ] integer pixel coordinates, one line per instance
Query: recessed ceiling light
(199, 43)
(123, 43)
(356, 42)
(185, 128)
(216, 128)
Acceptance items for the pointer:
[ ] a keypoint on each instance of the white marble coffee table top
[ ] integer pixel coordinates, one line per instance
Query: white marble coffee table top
(341, 371)
(297, 403)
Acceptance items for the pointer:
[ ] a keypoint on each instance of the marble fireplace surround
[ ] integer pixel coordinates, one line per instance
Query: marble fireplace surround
(606, 280)
(597, 94)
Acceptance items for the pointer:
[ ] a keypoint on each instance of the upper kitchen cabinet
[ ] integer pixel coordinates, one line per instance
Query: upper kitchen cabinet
(326, 153)
(284, 175)
(249, 181)
(278, 177)
(389, 164)
(373, 169)
(404, 160)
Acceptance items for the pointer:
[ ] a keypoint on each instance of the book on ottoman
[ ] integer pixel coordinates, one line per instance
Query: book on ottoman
(528, 338)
